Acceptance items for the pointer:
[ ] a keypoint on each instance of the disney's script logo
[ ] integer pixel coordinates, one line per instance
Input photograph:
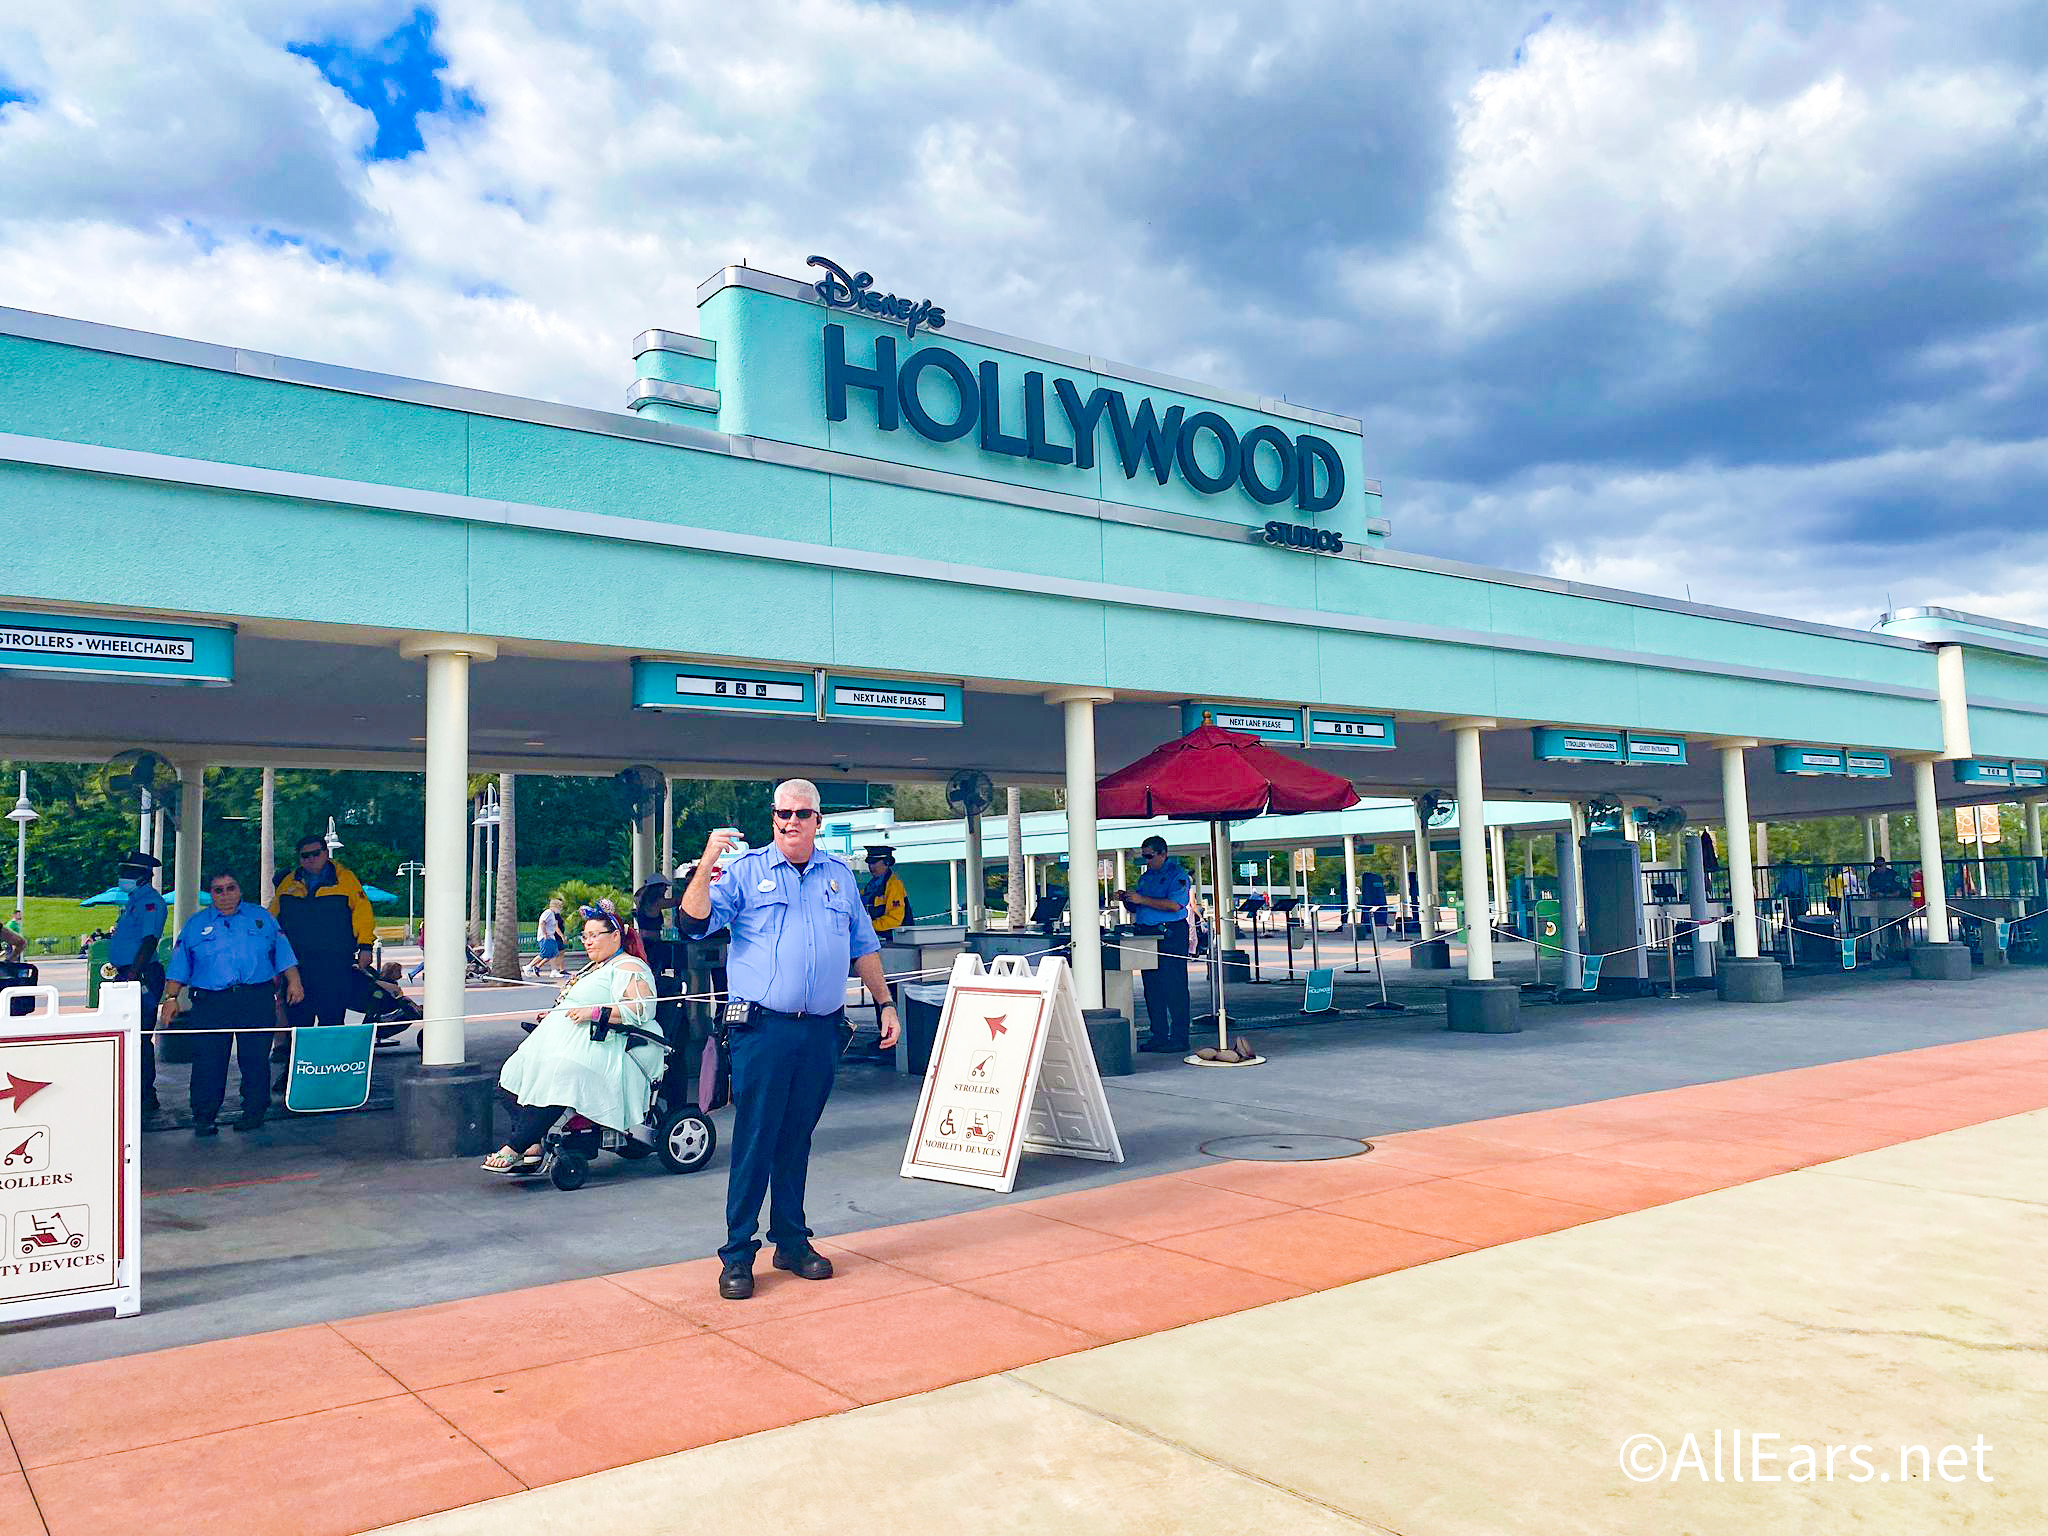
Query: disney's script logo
(840, 291)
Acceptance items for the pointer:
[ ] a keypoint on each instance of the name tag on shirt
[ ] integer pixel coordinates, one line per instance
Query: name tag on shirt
(765, 885)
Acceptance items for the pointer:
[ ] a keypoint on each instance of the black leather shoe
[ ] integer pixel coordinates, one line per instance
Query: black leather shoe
(1157, 1045)
(736, 1280)
(249, 1123)
(205, 1128)
(808, 1265)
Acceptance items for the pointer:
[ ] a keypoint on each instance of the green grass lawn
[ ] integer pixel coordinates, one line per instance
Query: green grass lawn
(58, 917)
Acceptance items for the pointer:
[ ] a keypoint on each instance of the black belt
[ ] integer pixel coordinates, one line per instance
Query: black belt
(833, 1017)
(240, 986)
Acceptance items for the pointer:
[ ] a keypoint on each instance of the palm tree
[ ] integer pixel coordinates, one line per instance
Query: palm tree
(505, 926)
(1016, 899)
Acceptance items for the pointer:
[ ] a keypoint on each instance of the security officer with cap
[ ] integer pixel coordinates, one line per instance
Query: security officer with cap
(132, 952)
(1159, 907)
(797, 918)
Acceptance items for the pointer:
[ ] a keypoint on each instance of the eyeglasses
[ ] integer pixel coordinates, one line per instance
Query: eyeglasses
(311, 853)
(801, 813)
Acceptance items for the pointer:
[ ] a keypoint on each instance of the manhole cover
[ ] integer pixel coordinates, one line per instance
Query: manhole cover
(1285, 1149)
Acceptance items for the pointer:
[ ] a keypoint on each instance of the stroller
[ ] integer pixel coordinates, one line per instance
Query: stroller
(380, 1000)
(675, 1129)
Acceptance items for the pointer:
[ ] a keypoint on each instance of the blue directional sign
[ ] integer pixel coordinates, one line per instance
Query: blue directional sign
(723, 690)
(1811, 762)
(1339, 728)
(99, 645)
(1558, 744)
(1247, 719)
(891, 699)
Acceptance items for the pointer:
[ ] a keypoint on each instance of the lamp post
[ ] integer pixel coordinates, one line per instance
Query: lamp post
(408, 869)
(487, 817)
(22, 814)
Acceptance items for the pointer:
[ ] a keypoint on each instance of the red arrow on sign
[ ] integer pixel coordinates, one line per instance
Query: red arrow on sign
(996, 1026)
(21, 1089)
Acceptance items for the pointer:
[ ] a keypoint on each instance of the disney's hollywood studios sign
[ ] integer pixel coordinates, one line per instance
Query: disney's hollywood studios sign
(1061, 425)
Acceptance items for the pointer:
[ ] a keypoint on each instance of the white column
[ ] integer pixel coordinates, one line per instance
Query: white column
(1884, 835)
(1928, 816)
(1401, 897)
(1579, 829)
(971, 872)
(1741, 874)
(1350, 878)
(267, 838)
(668, 826)
(1083, 913)
(1763, 842)
(1500, 874)
(448, 659)
(1869, 839)
(1017, 881)
(190, 872)
(1472, 854)
(1425, 891)
(2031, 811)
(1696, 903)
(643, 850)
(144, 842)
(1954, 694)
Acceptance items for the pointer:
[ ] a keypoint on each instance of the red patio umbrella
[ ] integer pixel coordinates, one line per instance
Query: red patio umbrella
(1219, 776)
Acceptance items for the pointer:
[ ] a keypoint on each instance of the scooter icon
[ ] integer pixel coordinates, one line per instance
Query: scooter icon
(51, 1233)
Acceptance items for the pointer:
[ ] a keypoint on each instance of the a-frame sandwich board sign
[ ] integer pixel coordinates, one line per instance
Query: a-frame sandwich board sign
(1011, 1072)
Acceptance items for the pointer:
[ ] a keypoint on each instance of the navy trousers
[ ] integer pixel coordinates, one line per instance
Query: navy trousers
(781, 1077)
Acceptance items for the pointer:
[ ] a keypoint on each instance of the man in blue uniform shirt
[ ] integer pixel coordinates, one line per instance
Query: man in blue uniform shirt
(797, 918)
(1159, 906)
(132, 951)
(232, 956)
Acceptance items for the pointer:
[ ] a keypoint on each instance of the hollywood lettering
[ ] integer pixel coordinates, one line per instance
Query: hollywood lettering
(1207, 451)
(839, 290)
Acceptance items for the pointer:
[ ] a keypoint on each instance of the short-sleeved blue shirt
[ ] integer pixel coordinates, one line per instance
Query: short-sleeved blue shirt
(214, 952)
(795, 932)
(139, 927)
(1169, 882)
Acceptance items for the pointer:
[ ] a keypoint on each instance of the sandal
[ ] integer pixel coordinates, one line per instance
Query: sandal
(514, 1163)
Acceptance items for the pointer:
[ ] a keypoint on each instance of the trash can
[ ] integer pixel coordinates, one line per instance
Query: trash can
(923, 1002)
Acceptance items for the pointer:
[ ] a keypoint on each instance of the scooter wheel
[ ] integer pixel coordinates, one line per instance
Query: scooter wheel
(686, 1140)
(571, 1169)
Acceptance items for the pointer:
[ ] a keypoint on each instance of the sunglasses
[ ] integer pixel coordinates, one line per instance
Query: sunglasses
(802, 813)
(310, 853)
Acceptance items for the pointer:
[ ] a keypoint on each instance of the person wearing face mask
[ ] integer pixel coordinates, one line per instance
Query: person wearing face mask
(132, 951)
(560, 1067)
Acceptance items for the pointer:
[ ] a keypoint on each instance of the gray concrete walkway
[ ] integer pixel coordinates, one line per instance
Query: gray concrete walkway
(1870, 1329)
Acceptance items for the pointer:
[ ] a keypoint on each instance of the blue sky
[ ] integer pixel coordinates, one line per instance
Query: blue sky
(1746, 299)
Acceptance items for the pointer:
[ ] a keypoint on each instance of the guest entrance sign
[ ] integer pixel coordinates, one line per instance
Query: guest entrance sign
(1011, 1072)
(70, 1169)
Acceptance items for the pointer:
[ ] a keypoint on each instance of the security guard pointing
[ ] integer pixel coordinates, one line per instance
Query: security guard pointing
(797, 918)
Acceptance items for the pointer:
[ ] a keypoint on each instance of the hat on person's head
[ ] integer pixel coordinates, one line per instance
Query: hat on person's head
(140, 860)
(881, 853)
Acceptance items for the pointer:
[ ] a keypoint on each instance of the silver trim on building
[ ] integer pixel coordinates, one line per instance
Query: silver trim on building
(92, 336)
(792, 288)
(679, 342)
(128, 463)
(1974, 621)
(667, 393)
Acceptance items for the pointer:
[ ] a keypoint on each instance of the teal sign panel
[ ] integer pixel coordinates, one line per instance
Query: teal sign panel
(1320, 996)
(2003, 932)
(1983, 770)
(1811, 762)
(2030, 775)
(891, 699)
(98, 645)
(1668, 751)
(330, 1069)
(1556, 744)
(1848, 954)
(1336, 728)
(1869, 765)
(1589, 973)
(1246, 719)
(723, 690)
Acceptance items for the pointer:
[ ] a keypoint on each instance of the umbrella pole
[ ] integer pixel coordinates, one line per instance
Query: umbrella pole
(1219, 855)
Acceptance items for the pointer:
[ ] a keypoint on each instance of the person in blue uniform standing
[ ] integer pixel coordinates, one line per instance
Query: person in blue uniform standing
(232, 955)
(1159, 906)
(797, 918)
(132, 951)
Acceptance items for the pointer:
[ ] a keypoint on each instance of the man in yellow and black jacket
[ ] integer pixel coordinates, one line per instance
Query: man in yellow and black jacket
(887, 901)
(324, 913)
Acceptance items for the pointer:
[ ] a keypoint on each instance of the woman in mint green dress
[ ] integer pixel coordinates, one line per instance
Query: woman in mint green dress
(559, 1067)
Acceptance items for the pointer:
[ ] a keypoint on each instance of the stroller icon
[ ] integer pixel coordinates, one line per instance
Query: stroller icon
(26, 1154)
